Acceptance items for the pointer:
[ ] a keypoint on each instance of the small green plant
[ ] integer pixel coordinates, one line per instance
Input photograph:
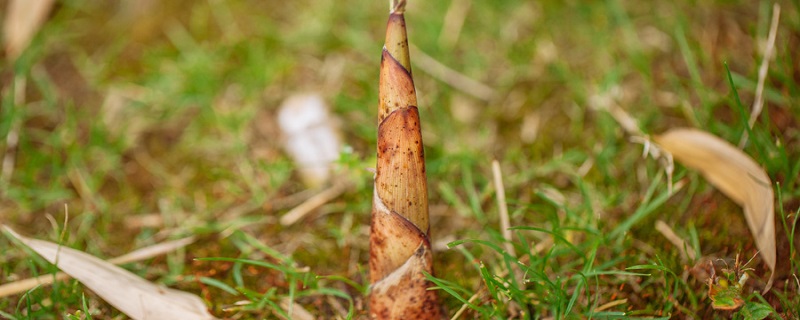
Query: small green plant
(726, 292)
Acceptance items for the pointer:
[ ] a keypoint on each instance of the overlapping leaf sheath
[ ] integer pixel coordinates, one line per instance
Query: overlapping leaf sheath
(400, 249)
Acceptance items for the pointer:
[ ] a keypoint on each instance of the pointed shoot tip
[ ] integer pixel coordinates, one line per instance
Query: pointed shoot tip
(397, 6)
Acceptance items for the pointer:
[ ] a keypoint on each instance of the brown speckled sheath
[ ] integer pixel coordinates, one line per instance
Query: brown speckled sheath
(400, 249)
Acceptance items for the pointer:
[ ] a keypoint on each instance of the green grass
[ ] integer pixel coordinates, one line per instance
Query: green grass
(194, 143)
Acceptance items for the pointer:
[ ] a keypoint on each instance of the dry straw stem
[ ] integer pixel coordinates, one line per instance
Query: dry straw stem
(610, 305)
(735, 174)
(758, 102)
(312, 203)
(676, 240)
(453, 22)
(400, 247)
(452, 77)
(505, 224)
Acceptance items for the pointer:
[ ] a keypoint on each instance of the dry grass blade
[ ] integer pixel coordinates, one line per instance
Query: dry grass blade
(134, 296)
(453, 22)
(295, 310)
(735, 174)
(20, 286)
(758, 102)
(451, 77)
(400, 247)
(312, 203)
(23, 19)
(136, 255)
(676, 240)
(505, 223)
(610, 305)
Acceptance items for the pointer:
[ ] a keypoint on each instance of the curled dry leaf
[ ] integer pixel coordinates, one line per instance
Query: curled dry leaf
(735, 174)
(400, 250)
(21, 286)
(134, 296)
(23, 19)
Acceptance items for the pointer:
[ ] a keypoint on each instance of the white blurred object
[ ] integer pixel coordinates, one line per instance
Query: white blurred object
(311, 138)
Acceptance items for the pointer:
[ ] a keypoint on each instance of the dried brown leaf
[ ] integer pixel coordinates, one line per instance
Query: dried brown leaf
(20, 286)
(735, 174)
(134, 296)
